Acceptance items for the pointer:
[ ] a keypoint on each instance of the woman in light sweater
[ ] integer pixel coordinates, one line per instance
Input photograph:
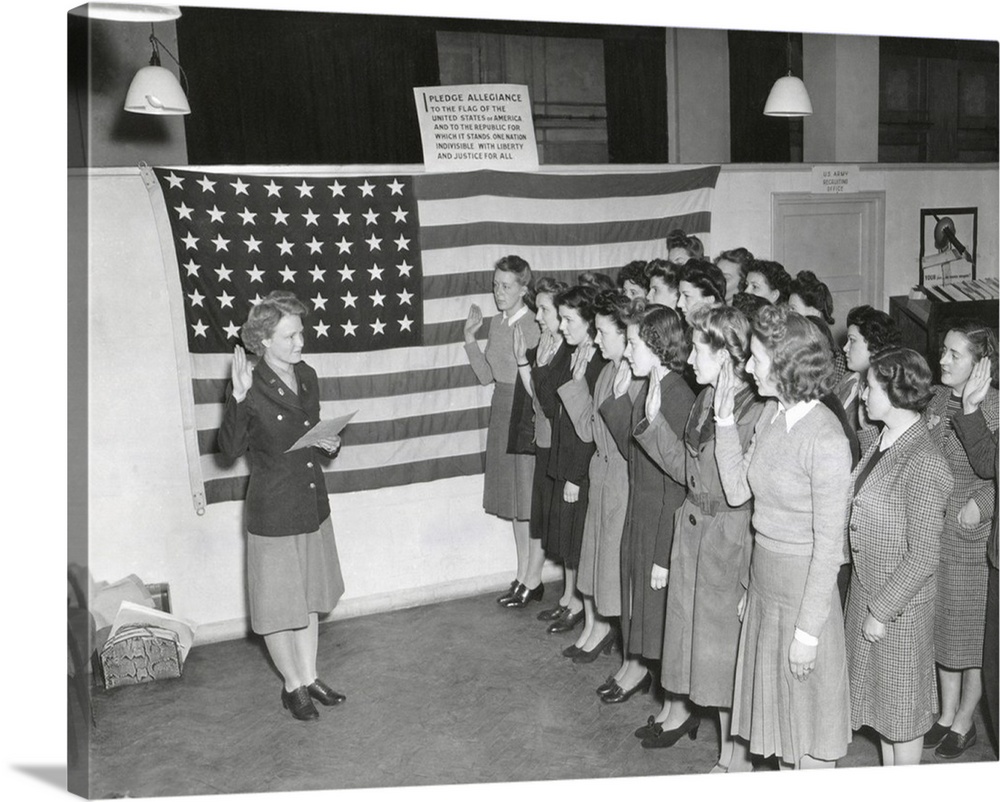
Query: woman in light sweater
(791, 695)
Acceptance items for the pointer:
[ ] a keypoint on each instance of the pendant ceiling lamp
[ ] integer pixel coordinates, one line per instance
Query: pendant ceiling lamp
(131, 12)
(788, 97)
(155, 89)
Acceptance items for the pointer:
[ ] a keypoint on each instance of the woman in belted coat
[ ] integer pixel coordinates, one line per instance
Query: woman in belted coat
(901, 488)
(962, 576)
(656, 353)
(293, 570)
(710, 559)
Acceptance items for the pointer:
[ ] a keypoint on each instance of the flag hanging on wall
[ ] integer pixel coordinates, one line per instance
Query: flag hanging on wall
(389, 263)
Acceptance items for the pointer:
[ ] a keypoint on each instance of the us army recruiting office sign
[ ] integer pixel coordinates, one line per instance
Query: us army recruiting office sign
(476, 127)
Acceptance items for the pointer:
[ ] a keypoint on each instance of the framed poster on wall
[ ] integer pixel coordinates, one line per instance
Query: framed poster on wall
(948, 245)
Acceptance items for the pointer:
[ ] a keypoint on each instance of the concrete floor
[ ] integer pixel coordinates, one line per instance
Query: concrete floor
(457, 692)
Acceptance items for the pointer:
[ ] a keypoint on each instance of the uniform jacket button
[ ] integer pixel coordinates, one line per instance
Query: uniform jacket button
(281, 417)
(312, 485)
(692, 519)
(309, 464)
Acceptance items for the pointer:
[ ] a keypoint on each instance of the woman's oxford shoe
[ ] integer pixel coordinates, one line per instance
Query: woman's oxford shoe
(552, 613)
(299, 704)
(523, 596)
(619, 695)
(953, 744)
(324, 694)
(507, 594)
(667, 738)
(935, 735)
(566, 622)
(604, 647)
(607, 685)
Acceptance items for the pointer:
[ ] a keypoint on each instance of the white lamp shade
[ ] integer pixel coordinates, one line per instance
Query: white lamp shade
(788, 98)
(156, 90)
(131, 12)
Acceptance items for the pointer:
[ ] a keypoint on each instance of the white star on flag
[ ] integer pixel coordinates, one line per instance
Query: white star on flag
(232, 330)
(216, 214)
(346, 274)
(284, 246)
(395, 187)
(366, 189)
(249, 218)
(223, 272)
(226, 300)
(190, 241)
(253, 244)
(405, 324)
(400, 215)
(176, 182)
(371, 217)
(196, 298)
(377, 299)
(402, 244)
(378, 327)
(404, 268)
(336, 188)
(375, 272)
(349, 300)
(319, 301)
(315, 246)
(273, 190)
(256, 274)
(221, 243)
(342, 217)
(183, 211)
(310, 217)
(280, 217)
(344, 245)
(321, 329)
(374, 243)
(317, 273)
(349, 328)
(199, 329)
(191, 267)
(404, 297)
(304, 189)
(287, 274)
(206, 185)
(240, 187)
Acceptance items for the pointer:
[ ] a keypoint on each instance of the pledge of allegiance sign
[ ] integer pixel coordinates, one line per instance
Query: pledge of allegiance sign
(476, 127)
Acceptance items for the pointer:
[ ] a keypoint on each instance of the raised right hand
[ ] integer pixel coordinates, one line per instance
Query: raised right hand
(623, 378)
(473, 323)
(976, 387)
(242, 373)
(725, 391)
(520, 347)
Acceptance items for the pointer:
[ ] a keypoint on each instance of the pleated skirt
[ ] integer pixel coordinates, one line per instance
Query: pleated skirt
(507, 481)
(291, 576)
(778, 714)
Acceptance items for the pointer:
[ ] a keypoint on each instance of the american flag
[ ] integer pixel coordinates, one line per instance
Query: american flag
(389, 263)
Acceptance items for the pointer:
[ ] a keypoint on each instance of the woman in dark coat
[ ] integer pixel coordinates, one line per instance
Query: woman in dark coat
(655, 354)
(901, 488)
(962, 576)
(293, 571)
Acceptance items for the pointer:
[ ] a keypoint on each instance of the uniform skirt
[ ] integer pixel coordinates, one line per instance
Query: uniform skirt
(507, 483)
(893, 682)
(778, 714)
(563, 537)
(542, 487)
(291, 576)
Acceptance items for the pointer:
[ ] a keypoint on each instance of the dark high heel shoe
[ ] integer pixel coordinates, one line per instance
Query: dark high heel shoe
(566, 623)
(651, 728)
(552, 613)
(299, 704)
(324, 694)
(669, 737)
(619, 695)
(509, 592)
(523, 596)
(571, 651)
(604, 647)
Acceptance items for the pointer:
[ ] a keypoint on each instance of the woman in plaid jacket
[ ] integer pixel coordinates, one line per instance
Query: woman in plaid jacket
(901, 488)
(962, 576)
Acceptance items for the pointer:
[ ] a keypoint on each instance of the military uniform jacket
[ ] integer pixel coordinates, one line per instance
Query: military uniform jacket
(287, 492)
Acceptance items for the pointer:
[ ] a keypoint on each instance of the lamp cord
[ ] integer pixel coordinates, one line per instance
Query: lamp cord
(157, 44)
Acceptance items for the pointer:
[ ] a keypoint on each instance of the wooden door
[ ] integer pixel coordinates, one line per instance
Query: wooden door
(841, 239)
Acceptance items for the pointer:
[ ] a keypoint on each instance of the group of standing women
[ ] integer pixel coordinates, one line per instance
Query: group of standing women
(706, 460)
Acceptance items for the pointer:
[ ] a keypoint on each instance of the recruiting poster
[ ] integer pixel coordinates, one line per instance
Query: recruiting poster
(476, 127)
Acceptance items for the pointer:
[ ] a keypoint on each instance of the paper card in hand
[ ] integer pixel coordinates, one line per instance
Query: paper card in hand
(322, 430)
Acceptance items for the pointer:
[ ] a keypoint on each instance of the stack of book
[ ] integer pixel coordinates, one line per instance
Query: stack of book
(975, 289)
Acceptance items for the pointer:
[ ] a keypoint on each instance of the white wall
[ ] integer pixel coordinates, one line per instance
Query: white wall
(398, 546)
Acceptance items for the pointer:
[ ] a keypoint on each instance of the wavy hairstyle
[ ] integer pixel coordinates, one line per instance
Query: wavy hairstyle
(905, 376)
(549, 286)
(814, 293)
(774, 274)
(614, 305)
(689, 243)
(740, 256)
(982, 342)
(580, 298)
(878, 329)
(635, 272)
(663, 332)
(522, 272)
(266, 315)
(802, 363)
(706, 277)
(724, 327)
(668, 272)
(599, 281)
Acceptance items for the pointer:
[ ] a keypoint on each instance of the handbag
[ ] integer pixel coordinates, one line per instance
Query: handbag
(140, 653)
